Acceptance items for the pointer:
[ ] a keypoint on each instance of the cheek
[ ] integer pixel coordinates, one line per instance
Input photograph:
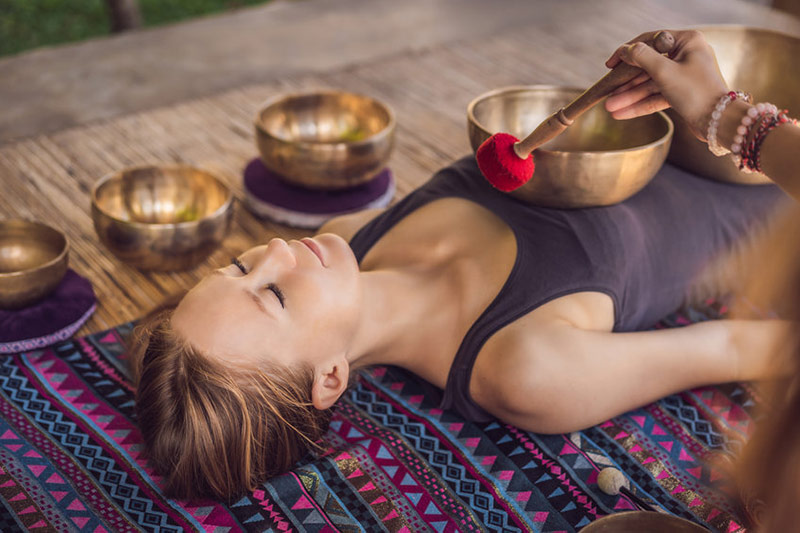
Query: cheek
(329, 300)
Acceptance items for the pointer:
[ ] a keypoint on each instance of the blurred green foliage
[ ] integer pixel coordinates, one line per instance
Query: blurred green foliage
(26, 24)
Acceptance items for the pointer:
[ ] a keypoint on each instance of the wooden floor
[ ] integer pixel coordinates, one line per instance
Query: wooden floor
(48, 177)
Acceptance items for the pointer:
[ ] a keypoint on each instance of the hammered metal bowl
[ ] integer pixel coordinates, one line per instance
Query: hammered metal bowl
(325, 139)
(641, 522)
(596, 161)
(161, 217)
(761, 62)
(33, 261)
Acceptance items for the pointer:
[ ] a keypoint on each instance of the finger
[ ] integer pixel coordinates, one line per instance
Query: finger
(641, 78)
(642, 56)
(649, 105)
(632, 96)
(614, 60)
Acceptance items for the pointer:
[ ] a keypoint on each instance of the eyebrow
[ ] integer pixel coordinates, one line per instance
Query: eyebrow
(253, 296)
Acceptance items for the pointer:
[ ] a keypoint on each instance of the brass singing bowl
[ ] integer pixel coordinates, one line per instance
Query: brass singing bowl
(33, 261)
(642, 521)
(596, 161)
(325, 139)
(761, 62)
(161, 217)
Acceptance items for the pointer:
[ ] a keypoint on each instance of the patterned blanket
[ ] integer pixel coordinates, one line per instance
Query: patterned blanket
(70, 458)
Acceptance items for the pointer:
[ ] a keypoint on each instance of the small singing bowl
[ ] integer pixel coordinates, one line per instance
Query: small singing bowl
(761, 62)
(325, 139)
(642, 521)
(161, 217)
(596, 161)
(33, 261)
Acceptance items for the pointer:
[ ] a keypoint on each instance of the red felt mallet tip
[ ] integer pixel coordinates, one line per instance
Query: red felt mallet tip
(501, 165)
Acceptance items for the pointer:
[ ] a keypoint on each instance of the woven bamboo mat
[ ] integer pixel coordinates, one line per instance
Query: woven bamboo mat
(48, 177)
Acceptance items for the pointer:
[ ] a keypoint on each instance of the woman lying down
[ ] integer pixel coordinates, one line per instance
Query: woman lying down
(527, 314)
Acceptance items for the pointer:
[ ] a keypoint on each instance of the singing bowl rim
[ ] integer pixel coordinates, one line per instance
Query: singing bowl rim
(376, 137)
(62, 254)
(744, 28)
(626, 516)
(665, 138)
(96, 205)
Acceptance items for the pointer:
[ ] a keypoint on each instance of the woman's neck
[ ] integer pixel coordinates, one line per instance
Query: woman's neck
(394, 327)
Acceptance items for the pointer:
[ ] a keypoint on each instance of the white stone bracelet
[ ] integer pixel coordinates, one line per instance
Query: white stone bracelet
(711, 134)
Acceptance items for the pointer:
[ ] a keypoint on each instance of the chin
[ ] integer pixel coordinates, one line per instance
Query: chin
(338, 248)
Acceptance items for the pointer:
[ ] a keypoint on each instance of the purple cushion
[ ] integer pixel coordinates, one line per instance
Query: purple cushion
(269, 196)
(268, 187)
(55, 318)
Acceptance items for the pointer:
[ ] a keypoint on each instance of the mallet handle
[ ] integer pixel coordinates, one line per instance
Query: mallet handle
(663, 41)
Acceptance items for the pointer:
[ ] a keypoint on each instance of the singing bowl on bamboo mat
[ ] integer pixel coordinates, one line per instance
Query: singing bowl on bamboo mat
(325, 139)
(596, 161)
(157, 217)
(761, 62)
(641, 522)
(33, 261)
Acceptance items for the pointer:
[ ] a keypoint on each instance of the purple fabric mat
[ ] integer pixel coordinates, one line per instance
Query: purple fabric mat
(68, 306)
(268, 187)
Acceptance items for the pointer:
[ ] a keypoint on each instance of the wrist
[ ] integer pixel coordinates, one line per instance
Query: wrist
(730, 121)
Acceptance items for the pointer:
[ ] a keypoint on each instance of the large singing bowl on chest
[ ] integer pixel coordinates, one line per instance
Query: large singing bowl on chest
(596, 161)
(761, 62)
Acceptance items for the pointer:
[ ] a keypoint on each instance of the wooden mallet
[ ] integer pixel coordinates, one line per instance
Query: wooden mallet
(507, 162)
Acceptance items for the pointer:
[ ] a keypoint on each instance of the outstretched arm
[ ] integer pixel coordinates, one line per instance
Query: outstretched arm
(561, 378)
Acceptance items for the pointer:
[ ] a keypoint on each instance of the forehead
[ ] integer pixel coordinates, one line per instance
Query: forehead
(221, 319)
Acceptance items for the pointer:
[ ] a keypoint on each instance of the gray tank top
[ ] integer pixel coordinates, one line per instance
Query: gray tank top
(644, 252)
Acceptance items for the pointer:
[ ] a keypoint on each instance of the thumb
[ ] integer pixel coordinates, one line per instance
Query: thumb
(642, 56)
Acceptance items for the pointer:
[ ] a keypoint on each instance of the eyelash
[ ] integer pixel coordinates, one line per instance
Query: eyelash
(270, 286)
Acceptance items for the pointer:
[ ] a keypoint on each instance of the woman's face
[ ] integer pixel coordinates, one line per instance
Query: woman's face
(283, 302)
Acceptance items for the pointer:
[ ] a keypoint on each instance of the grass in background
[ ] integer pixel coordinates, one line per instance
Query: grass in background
(26, 24)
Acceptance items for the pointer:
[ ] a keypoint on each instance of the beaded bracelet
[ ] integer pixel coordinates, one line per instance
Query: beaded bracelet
(713, 123)
(742, 152)
(773, 122)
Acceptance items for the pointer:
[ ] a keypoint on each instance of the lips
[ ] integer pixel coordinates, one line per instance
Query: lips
(314, 247)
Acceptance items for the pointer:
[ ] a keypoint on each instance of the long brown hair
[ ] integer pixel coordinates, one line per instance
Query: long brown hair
(217, 430)
(768, 472)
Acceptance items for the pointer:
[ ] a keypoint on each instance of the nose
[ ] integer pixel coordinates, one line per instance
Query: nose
(277, 255)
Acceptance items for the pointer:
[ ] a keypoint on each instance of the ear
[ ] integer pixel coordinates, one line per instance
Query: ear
(329, 383)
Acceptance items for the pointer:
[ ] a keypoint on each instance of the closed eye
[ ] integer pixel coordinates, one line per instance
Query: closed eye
(270, 286)
(274, 288)
(238, 264)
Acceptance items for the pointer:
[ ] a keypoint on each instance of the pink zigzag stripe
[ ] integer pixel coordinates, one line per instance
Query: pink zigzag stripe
(668, 467)
(275, 513)
(420, 469)
(110, 372)
(445, 441)
(389, 485)
(551, 465)
(716, 419)
(679, 431)
(376, 468)
(592, 510)
(421, 473)
(119, 422)
(32, 492)
(64, 463)
(312, 500)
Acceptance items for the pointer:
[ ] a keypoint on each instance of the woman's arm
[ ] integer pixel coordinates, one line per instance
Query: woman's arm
(780, 152)
(561, 378)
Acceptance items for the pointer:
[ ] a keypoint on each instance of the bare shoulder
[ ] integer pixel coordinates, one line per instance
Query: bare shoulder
(346, 226)
(508, 365)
